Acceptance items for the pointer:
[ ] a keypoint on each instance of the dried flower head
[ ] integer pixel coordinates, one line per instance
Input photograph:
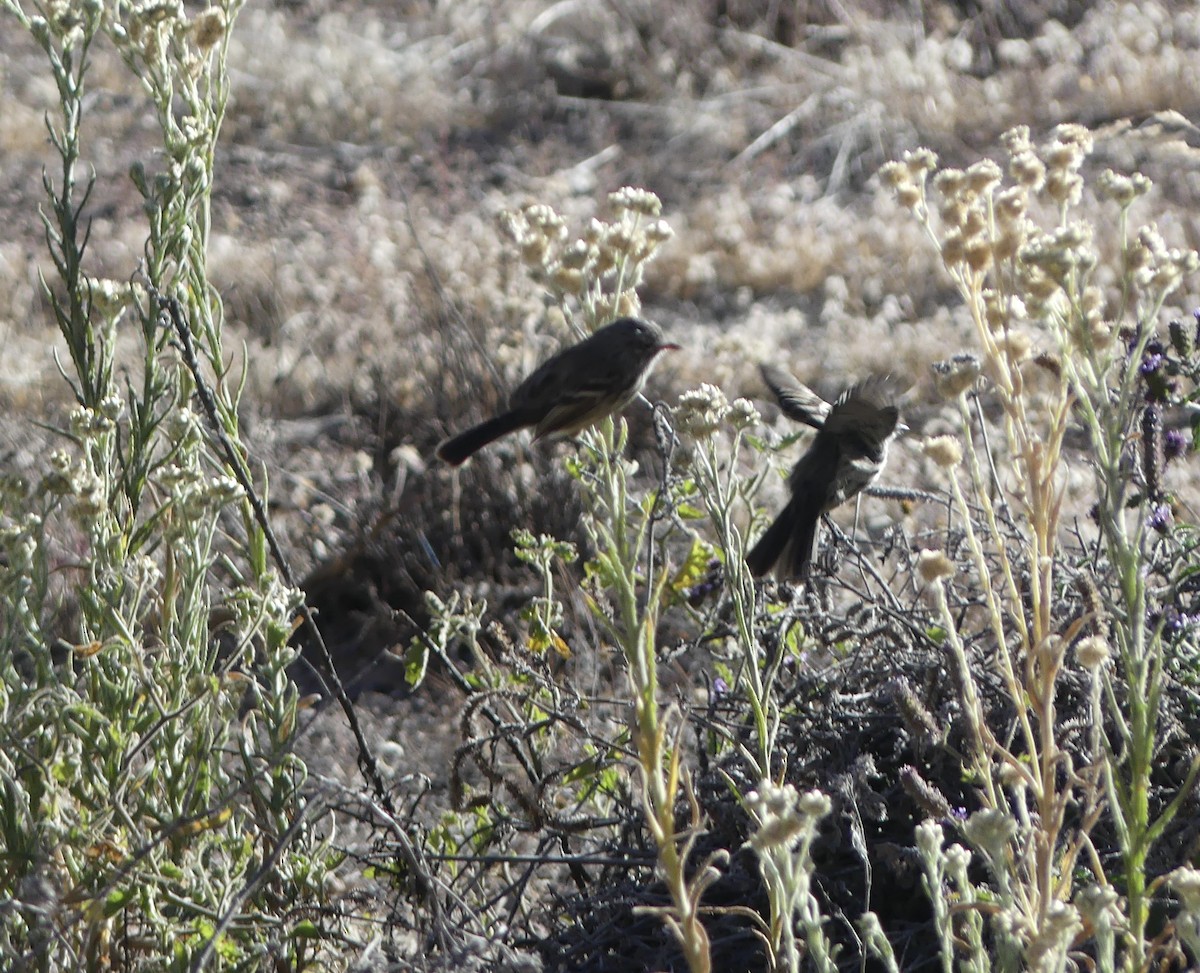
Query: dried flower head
(983, 176)
(659, 232)
(743, 414)
(784, 816)
(930, 838)
(208, 28)
(978, 254)
(637, 200)
(953, 249)
(954, 376)
(1027, 170)
(1076, 136)
(920, 162)
(927, 797)
(1014, 345)
(1186, 881)
(1011, 204)
(909, 195)
(1061, 252)
(1099, 906)
(934, 566)
(1064, 186)
(990, 830)
(1092, 652)
(950, 182)
(943, 450)
(701, 411)
(895, 174)
(1162, 268)
(1122, 190)
(1016, 140)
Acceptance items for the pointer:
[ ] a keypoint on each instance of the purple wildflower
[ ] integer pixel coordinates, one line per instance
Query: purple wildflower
(1175, 444)
(1160, 518)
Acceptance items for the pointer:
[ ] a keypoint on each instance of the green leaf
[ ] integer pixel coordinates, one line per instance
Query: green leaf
(416, 663)
(600, 570)
(693, 570)
(117, 900)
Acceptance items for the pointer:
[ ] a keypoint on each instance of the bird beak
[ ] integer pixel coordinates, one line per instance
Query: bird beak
(669, 346)
(902, 428)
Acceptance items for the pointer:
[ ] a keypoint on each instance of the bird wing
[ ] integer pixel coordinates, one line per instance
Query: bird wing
(796, 400)
(867, 408)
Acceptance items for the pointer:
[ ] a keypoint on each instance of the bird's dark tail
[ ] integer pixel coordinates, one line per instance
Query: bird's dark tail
(787, 544)
(458, 449)
(798, 556)
(766, 552)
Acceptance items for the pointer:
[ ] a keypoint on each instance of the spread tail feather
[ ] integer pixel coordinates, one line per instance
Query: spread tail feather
(458, 449)
(799, 554)
(786, 546)
(765, 553)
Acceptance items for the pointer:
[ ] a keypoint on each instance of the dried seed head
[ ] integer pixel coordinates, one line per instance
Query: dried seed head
(1049, 363)
(990, 830)
(1050, 650)
(1015, 345)
(982, 176)
(975, 221)
(909, 195)
(1008, 242)
(1152, 450)
(659, 232)
(1183, 339)
(924, 795)
(920, 161)
(1017, 140)
(1098, 904)
(934, 566)
(1011, 205)
(943, 450)
(1028, 171)
(954, 376)
(1002, 313)
(1092, 652)
(743, 414)
(568, 281)
(1073, 134)
(701, 411)
(1186, 881)
(953, 211)
(637, 200)
(208, 28)
(950, 182)
(1064, 186)
(895, 174)
(978, 254)
(1060, 156)
(953, 249)
(1122, 190)
(576, 256)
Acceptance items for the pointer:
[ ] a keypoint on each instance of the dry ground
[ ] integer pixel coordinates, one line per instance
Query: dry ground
(370, 148)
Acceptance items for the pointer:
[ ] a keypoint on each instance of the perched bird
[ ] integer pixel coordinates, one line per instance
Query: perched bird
(573, 390)
(848, 453)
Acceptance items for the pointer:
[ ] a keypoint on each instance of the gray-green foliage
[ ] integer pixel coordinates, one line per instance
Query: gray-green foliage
(147, 777)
